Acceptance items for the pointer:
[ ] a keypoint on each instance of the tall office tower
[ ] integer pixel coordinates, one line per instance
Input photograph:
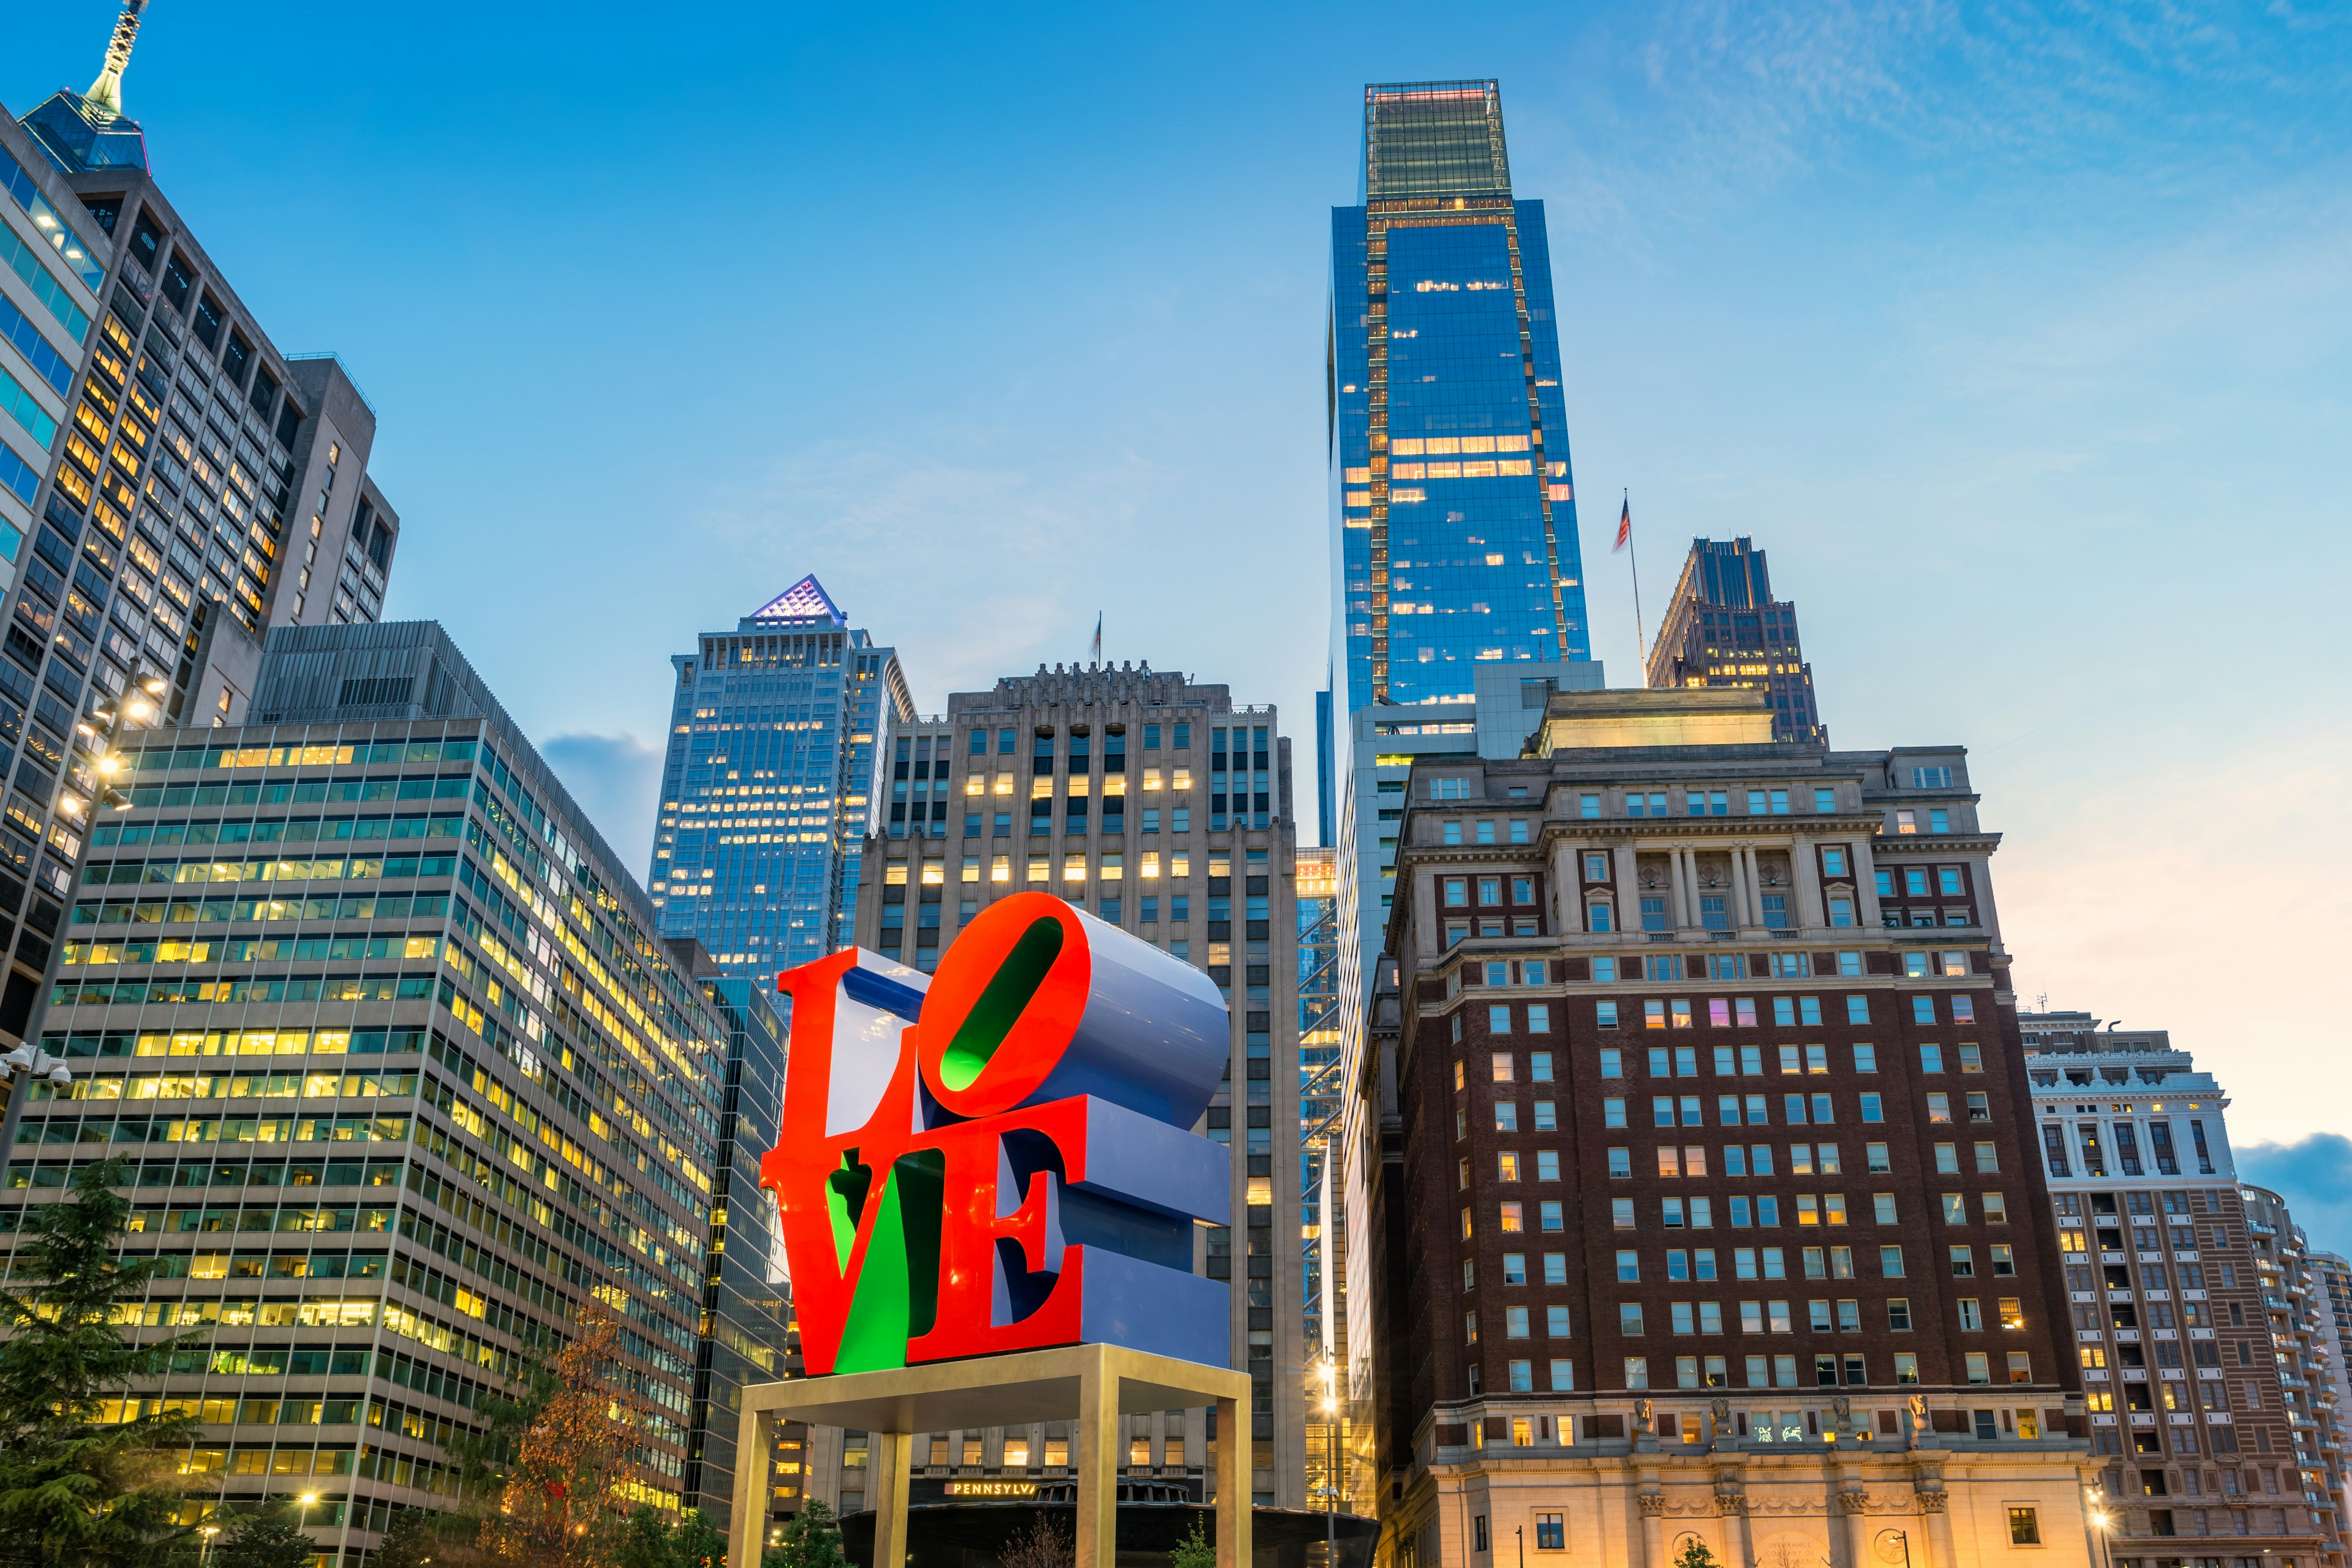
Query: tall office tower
(1314, 895)
(1723, 1216)
(768, 791)
(1453, 543)
(745, 1279)
(185, 485)
(1722, 628)
(1154, 804)
(400, 1103)
(2195, 1322)
(2332, 1294)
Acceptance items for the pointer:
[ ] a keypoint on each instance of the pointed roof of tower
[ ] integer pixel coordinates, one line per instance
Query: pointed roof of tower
(805, 602)
(87, 130)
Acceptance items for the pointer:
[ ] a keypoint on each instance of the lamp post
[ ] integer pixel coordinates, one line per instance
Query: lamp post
(204, 1548)
(2102, 1522)
(1904, 1537)
(23, 1064)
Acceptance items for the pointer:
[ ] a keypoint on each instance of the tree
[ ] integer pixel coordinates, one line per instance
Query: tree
(1044, 1545)
(647, 1541)
(417, 1536)
(809, 1539)
(559, 1506)
(269, 1539)
(1694, 1554)
(1196, 1550)
(85, 1476)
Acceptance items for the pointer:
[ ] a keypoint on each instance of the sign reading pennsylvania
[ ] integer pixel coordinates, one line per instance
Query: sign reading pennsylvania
(999, 1157)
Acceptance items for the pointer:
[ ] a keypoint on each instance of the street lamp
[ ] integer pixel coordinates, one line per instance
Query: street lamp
(205, 1549)
(1904, 1537)
(2102, 1521)
(23, 1065)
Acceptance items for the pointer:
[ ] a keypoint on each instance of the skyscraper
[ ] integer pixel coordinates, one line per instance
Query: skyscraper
(410, 1084)
(183, 486)
(1453, 543)
(2207, 1357)
(769, 790)
(1722, 628)
(1154, 803)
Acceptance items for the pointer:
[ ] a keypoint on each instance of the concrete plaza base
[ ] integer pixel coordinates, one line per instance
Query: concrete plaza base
(1093, 1384)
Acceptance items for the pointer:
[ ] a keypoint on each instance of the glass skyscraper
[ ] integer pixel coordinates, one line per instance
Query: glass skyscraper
(403, 1080)
(769, 785)
(1454, 512)
(1453, 544)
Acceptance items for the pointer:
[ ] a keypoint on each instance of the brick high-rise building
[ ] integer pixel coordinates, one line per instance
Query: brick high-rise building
(1722, 628)
(1722, 1215)
(2198, 1325)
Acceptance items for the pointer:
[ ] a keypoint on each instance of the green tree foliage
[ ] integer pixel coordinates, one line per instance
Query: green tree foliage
(1197, 1550)
(270, 1540)
(1694, 1554)
(647, 1541)
(809, 1538)
(79, 1488)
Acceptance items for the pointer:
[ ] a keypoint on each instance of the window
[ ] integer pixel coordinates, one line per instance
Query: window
(1621, 1213)
(1629, 1317)
(1551, 1217)
(1980, 1363)
(1637, 1371)
(1972, 1320)
(1552, 1535)
(1513, 1219)
(2024, 1527)
(1857, 1010)
(1621, 1162)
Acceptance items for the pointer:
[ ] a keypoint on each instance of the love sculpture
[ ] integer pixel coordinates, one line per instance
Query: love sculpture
(999, 1156)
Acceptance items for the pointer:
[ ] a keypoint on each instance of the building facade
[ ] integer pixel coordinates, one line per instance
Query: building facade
(747, 1307)
(2193, 1315)
(1722, 628)
(767, 789)
(1153, 802)
(2331, 1276)
(1315, 895)
(1721, 1218)
(171, 486)
(405, 1079)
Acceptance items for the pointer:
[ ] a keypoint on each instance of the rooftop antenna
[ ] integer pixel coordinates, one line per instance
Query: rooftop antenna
(105, 94)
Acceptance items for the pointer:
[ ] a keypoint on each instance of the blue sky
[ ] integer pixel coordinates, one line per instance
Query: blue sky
(2018, 334)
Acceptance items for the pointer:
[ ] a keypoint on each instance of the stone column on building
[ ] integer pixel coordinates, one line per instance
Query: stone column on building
(1807, 865)
(1866, 884)
(1653, 1504)
(1731, 1502)
(1854, 1502)
(1685, 882)
(1629, 889)
(1425, 912)
(1741, 919)
(1568, 885)
(1936, 1504)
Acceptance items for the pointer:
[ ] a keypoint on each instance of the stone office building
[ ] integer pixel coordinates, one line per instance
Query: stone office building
(1722, 1215)
(404, 1078)
(1153, 802)
(2195, 1317)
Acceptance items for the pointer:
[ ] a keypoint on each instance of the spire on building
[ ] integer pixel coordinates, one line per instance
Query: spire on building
(82, 132)
(105, 94)
(805, 601)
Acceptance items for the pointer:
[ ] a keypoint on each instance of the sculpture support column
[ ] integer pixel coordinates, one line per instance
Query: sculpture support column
(1098, 1465)
(1233, 1486)
(894, 1451)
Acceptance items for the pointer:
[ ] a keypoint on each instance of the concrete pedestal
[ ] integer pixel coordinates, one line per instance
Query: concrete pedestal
(1094, 1384)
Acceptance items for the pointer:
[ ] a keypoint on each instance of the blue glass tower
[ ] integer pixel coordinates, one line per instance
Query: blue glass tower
(766, 791)
(1454, 508)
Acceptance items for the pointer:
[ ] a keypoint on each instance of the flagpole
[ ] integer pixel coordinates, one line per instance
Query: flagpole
(1633, 556)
